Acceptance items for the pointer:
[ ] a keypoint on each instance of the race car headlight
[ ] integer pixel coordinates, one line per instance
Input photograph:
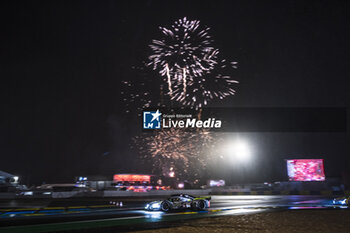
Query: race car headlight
(343, 202)
(155, 206)
(146, 207)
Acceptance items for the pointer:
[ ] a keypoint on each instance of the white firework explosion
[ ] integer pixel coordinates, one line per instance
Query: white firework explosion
(184, 50)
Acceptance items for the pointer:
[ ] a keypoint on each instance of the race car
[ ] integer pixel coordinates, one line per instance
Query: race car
(341, 201)
(178, 202)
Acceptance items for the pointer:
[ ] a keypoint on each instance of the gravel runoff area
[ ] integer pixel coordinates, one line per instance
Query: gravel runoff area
(298, 221)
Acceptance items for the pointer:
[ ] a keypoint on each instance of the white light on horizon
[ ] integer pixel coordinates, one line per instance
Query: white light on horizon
(239, 151)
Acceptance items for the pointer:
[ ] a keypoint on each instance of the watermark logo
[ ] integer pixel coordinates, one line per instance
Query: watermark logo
(152, 120)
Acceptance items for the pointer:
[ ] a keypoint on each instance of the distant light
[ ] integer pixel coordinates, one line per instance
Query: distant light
(218, 183)
(239, 151)
(82, 178)
(172, 174)
(181, 185)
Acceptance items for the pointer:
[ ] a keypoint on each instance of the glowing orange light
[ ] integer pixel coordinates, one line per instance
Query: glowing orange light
(132, 178)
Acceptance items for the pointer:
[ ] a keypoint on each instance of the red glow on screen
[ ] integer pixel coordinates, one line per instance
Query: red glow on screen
(131, 178)
(305, 170)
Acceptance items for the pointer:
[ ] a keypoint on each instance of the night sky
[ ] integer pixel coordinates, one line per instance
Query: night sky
(62, 63)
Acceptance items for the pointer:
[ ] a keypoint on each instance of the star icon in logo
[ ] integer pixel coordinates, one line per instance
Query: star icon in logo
(156, 115)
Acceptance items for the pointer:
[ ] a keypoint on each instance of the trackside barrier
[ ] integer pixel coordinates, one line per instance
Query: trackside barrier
(64, 194)
(195, 192)
(69, 194)
(7, 195)
(302, 192)
(112, 193)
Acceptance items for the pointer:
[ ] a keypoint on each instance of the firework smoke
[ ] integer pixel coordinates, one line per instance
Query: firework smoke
(186, 152)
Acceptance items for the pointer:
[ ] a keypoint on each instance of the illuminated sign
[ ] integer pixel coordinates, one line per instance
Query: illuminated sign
(131, 178)
(305, 170)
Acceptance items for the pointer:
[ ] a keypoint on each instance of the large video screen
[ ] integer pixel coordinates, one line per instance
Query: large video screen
(305, 170)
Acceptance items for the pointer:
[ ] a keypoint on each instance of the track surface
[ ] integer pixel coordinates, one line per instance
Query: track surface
(42, 216)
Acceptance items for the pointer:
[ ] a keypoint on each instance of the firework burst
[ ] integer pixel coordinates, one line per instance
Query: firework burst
(216, 84)
(193, 75)
(184, 50)
(186, 152)
(189, 64)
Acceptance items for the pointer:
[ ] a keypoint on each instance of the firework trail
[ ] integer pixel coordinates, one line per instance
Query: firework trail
(184, 81)
(185, 48)
(216, 84)
(168, 79)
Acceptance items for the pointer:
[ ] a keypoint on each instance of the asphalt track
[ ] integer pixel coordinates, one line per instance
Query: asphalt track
(48, 216)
